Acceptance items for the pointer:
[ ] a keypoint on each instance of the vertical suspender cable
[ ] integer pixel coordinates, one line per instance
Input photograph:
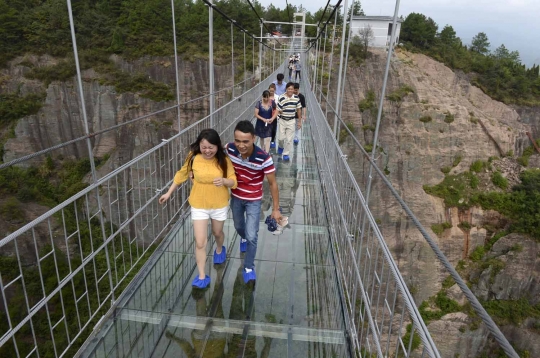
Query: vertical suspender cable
(253, 55)
(211, 60)
(340, 74)
(274, 58)
(346, 61)
(314, 83)
(322, 62)
(88, 143)
(260, 54)
(381, 99)
(245, 74)
(331, 64)
(232, 58)
(176, 68)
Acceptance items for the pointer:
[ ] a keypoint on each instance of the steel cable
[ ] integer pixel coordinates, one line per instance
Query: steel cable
(479, 309)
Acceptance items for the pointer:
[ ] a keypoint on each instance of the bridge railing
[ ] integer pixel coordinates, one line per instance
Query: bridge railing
(421, 261)
(382, 316)
(65, 270)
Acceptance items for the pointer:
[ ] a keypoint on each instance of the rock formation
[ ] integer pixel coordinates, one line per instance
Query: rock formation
(444, 119)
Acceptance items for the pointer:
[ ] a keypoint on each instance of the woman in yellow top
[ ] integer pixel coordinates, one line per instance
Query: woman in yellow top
(213, 175)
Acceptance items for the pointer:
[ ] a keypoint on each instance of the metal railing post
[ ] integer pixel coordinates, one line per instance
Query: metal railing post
(232, 58)
(381, 99)
(340, 71)
(176, 68)
(89, 143)
(211, 60)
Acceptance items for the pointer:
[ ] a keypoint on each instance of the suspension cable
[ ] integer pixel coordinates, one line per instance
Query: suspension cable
(261, 20)
(288, 13)
(325, 24)
(234, 22)
(324, 12)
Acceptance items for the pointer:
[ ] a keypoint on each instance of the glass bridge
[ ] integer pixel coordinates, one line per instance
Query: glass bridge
(108, 272)
(293, 310)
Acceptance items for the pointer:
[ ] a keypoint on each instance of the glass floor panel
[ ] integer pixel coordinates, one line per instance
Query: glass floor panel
(293, 309)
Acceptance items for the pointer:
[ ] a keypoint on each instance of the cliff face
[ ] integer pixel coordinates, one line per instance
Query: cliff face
(61, 118)
(444, 119)
(413, 152)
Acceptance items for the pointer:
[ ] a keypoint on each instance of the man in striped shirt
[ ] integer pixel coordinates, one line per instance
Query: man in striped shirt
(288, 104)
(251, 164)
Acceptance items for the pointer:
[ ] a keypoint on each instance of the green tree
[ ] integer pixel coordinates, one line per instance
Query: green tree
(356, 8)
(419, 30)
(480, 43)
(448, 36)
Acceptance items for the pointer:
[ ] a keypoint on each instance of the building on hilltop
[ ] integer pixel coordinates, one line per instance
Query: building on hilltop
(381, 27)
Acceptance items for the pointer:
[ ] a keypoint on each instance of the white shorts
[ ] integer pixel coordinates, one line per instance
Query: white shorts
(205, 214)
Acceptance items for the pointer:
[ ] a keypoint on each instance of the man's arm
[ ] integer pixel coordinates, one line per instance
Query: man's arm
(275, 195)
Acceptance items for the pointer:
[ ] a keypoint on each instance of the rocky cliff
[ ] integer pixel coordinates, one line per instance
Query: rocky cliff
(443, 125)
(61, 118)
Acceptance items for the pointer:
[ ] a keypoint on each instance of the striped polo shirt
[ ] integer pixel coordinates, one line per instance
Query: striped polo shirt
(250, 172)
(288, 105)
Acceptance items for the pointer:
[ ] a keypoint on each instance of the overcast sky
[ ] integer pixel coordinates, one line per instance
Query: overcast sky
(514, 23)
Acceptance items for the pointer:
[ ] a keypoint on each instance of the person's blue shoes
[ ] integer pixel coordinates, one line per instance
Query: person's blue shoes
(220, 258)
(280, 151)
(296, 140)
(272, 145)
(286, 158)
(249, 275)
(204, 283)
(243, 245)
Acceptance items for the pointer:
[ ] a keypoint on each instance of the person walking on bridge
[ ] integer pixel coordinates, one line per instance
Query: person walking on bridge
(251, 164)
(288, 105)
(273, 98)
(281, 86)
(302, 119)
(266, 114)
(213, 174)
(297, 69)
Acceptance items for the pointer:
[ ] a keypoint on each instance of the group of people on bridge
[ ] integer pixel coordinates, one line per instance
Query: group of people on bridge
(295, 68)
(233, 175)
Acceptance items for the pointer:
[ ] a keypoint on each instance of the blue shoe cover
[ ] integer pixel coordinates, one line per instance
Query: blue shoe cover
(286, 158)
(296, 140)
(280, 150)
(220, 258)
(197, 282)
(249, 276)
(243, 245)
(272, 145)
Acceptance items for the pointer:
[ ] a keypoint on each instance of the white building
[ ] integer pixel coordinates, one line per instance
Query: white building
(381, 26)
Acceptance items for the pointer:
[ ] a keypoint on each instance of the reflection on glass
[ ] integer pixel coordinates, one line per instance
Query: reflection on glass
(207, 342)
